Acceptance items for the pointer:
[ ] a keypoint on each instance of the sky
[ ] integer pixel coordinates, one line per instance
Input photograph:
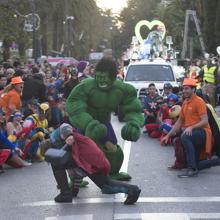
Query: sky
(115, 5)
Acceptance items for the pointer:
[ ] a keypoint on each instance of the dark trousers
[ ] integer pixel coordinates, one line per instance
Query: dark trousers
(104, 182)
(193, 146)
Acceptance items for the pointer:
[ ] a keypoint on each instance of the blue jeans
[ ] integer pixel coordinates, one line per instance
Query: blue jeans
(193, 146)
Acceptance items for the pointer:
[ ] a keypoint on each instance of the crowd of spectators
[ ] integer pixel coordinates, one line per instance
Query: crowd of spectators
(186, 118)
(32, 98)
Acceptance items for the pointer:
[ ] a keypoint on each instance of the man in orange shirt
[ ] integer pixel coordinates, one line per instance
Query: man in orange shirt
(11, 101)
(196, 134)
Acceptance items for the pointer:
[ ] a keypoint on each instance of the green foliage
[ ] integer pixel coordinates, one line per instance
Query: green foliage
(87, 31)
(93, 28)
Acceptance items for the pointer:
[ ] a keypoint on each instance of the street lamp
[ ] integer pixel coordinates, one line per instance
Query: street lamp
(31, 24)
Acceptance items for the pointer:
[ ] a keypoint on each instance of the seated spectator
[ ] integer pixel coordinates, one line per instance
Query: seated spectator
(54, 100)
(167, 89)
(9, 152)
(15, 123)
(196, 134)
(34, 130)
(12, 99)
(30, 107)
(150, 104)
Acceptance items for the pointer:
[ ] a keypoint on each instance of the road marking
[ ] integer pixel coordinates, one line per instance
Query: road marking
(167, 216)
(71, 217)
(117, 200)
(124, 167)
(127, 151)
(152, 216)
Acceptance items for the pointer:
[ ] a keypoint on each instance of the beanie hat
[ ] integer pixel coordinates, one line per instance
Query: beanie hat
(82, 65)
(65, 130)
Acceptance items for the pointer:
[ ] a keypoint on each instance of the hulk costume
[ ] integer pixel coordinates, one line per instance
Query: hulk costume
(91, 103)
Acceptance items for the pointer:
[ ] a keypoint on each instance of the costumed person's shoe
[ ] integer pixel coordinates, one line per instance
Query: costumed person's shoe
(133, 195)
(39, 157)
(64, 197)
(83, 183)
(114, 186)
(122, 176)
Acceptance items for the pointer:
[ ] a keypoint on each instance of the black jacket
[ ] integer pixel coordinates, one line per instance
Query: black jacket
(69, 86)
(34, 88)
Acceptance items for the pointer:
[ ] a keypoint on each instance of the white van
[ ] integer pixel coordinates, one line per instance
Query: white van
(140, 74)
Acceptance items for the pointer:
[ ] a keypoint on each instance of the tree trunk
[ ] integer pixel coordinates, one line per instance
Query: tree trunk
(217, 25)
(55, 31)
(44, 35)
(6, 49)
(21, 48)
(209, 24)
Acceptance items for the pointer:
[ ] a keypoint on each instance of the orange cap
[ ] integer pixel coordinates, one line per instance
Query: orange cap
(189, 82)
(16, 80)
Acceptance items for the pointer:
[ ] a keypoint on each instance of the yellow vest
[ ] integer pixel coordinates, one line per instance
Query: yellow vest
(209, 75)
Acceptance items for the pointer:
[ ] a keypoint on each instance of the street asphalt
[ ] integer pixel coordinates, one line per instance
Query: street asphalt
(27, 194)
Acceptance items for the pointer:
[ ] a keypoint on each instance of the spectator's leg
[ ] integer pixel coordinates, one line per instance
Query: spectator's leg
(1, 169)
(193, 146)
(190, 151)
(61, 179)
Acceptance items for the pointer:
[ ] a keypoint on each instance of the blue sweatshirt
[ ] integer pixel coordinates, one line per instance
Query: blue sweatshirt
(5, 143)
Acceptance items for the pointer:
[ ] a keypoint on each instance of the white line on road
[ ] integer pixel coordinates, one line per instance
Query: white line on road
(152, 216)
(145, 216)
(78, 217)
(126, 150)
(166, 216)
(140, 200)
(124, 167)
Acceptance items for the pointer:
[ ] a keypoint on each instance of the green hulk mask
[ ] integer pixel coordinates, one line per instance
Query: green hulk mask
(91, 103)
(103, 80)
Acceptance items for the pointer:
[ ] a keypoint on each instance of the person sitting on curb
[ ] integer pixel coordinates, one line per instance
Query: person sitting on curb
(196, 134)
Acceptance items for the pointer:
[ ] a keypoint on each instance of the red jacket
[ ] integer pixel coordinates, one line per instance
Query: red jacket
(88, 155)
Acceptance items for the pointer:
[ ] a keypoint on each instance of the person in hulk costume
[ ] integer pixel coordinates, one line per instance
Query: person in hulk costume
(90, 105)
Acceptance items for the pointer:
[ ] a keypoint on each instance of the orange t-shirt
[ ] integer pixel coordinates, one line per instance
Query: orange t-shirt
(12, 98)
(191, 113)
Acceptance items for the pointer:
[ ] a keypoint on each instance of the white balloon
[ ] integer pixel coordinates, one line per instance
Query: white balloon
(218, 50)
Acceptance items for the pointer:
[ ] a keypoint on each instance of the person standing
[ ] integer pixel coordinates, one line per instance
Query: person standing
(210, 79)
(71, 83)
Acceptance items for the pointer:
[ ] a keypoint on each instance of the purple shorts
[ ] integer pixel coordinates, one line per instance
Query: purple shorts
(110, 135)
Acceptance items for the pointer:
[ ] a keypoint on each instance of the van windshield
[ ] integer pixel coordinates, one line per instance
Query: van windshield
(149, 73)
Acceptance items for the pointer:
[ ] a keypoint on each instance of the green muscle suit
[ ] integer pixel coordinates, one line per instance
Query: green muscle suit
(90, 104)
